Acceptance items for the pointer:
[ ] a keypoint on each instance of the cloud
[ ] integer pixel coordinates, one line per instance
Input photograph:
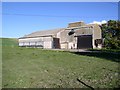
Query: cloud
(97, 22)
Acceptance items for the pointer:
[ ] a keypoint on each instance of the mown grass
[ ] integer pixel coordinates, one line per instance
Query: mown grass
(39, 68)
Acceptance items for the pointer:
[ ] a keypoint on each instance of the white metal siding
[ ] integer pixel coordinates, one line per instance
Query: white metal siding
(48, 44)
(21, 43)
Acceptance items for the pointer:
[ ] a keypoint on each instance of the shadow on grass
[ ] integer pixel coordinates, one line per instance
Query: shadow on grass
(105, 55)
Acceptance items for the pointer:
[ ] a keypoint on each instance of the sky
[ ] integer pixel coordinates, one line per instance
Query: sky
(22, 18)
(60, 0)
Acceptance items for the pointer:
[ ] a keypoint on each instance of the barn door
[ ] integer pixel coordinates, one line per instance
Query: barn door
(56, 43)
(84, 41)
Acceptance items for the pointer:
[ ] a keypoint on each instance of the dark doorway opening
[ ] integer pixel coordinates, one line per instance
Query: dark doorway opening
(56, 43)
(84, 41)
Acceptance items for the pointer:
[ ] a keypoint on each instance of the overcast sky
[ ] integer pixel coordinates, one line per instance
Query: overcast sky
(23, 18)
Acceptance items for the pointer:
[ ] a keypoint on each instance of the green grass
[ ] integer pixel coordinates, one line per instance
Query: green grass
(39, 68)
(9, 42)
(106, 50)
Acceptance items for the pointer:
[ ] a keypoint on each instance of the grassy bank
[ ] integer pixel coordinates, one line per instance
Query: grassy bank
(39, 68)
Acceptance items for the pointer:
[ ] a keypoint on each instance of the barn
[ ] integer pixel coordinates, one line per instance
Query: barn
(77, 35)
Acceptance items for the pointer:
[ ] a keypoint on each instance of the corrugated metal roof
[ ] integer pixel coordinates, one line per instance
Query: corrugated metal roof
(53, 32)
(43, 33)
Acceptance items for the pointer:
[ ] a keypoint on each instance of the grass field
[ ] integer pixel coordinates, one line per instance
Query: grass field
(39, 68)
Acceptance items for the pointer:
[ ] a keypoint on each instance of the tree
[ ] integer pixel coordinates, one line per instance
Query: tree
(111, 34)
